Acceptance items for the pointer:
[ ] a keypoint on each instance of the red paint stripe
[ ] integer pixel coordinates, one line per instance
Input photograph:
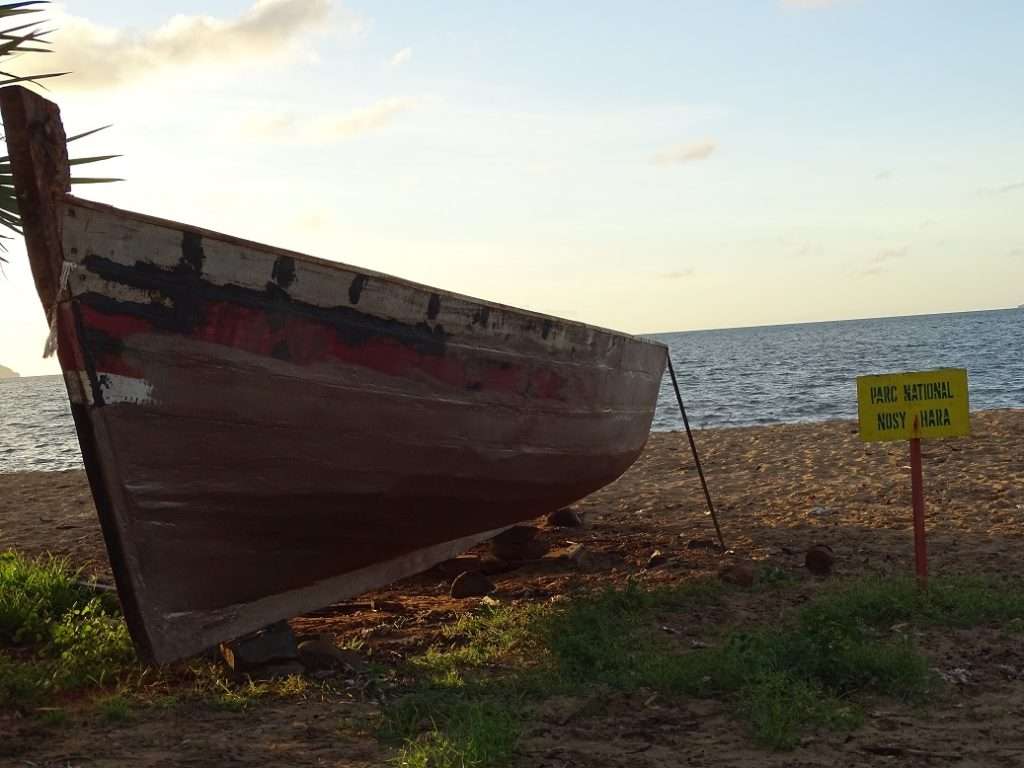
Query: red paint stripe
(304, 341)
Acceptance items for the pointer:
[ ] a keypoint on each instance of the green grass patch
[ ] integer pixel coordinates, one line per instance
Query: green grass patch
(55, 634)
(476, 689)
(948, 602)
(115, 709)
(473, 692)
(54, 717)
(35, 593)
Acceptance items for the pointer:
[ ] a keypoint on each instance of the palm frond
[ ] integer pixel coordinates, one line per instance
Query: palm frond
(29, 36)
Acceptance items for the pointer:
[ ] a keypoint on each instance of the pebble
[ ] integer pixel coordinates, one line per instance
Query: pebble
(565, 518)
(471, 584)
(272, 645)
(490, 565)
(519, 543)
(819, 560)
(580, 557)
(657, 558)
(460, 564)
(701, 544)
(321, 653)
(742, 574)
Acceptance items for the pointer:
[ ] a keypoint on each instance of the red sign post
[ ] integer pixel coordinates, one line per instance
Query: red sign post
(917, 499)
(911, 406)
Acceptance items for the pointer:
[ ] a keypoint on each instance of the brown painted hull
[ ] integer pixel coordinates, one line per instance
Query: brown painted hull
(266, 433)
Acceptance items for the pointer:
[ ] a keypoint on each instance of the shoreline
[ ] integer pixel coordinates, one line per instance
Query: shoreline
(813, 422)
(655, 431)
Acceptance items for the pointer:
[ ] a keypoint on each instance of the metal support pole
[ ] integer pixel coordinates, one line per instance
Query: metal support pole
(693, 449)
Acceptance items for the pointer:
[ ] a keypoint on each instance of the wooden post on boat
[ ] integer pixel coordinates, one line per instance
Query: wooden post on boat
(37, 147)
(912, 406)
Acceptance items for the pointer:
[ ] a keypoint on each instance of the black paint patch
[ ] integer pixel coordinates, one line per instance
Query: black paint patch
(481, 316)
(355, 290)
(546, 329)
(101, 343)
(474, 386)
(277, 306)
(192, 256)
(433, 306)
(190, 296)
(284, 271)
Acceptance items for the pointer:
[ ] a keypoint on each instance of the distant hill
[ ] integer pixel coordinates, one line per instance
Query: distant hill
(7, 373)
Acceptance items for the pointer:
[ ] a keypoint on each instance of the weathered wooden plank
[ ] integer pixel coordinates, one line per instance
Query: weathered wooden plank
(37, 147)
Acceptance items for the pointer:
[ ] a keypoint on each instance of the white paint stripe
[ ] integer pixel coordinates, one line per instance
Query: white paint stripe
(124, 389)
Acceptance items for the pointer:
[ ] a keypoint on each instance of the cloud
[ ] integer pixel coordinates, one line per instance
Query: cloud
(876, 263)
(267, 126)
(888, 254)
(685, 153)
(1001, 190)
(362, 121)
(348, 125)
(106, 57)
(400, 58)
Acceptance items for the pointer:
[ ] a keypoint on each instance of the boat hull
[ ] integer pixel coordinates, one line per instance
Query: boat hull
(266, 433)
(273, 433)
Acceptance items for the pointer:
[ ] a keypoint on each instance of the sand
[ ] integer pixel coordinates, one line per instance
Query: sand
(778, 490)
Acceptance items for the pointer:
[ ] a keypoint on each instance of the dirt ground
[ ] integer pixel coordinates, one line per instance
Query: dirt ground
(778, 491)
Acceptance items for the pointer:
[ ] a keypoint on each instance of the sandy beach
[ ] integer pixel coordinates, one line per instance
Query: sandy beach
(778, 490)
(785, 486)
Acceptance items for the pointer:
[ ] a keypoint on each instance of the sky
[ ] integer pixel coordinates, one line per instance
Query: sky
(646, 166)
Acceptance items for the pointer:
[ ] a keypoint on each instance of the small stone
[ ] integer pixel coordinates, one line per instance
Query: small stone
(518, 534)
(270, 645)
(565, 518)
(471, 584)
(490, 565)
(519, 543)
(461, 564)
(580, 557)
(657, 558)
(820, 559)
(532, 593)
(321, 653)
(742, 574)
(701, 544)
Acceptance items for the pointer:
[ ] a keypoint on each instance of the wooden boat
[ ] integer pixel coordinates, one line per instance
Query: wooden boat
(266, 433)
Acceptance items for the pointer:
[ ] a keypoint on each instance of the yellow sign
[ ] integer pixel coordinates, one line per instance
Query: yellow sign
(902, 406)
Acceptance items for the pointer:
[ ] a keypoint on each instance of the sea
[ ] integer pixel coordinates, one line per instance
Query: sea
(728, 378)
